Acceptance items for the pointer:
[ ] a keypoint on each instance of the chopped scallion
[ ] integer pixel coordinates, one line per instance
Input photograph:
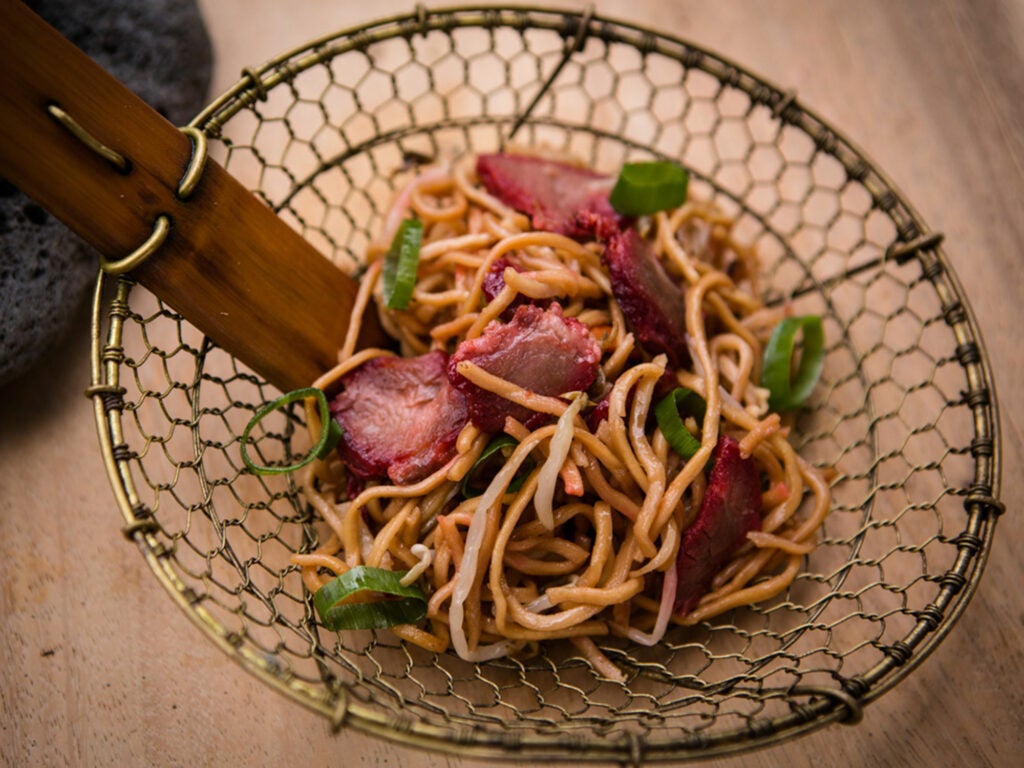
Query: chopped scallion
(671, 424)
(646, 188)
(369, 598)
(788, 390)
(330, 433)
(400, 264)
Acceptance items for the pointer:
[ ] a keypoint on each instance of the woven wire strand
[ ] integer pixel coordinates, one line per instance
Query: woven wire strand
(905, 413)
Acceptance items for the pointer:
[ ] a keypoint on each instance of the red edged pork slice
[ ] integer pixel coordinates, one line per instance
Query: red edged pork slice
(558, 197)
(650, 300)
(400, 417)
(539, 350)
(730, 509)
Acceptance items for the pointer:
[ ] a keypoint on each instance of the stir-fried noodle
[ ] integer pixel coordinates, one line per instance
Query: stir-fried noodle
(577, 534)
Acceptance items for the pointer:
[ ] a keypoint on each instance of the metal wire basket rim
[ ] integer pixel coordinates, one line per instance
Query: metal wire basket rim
(336, 704)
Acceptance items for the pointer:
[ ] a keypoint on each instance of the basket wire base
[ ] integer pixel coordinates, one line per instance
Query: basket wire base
(905, 414)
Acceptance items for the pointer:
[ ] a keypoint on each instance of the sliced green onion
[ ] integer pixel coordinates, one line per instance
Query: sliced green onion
(788, 390)
(476, 480)
(399, 604)
(646, 188)
(400, 264)
(671, 424)
(330, 432)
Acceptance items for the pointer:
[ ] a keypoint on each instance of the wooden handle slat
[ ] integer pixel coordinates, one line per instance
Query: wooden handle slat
(229, 264)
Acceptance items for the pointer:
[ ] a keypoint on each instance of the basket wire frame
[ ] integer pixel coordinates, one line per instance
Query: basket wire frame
(905, 412)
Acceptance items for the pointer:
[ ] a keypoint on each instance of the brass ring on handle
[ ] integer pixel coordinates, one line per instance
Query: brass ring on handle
(196, 163)
(161, 228)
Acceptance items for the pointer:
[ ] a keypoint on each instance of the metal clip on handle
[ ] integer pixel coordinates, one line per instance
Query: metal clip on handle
(122, 164)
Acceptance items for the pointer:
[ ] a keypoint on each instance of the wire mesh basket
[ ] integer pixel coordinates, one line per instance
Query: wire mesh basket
(905, 412)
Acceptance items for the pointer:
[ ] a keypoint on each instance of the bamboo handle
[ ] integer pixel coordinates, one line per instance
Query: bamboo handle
(222, 258)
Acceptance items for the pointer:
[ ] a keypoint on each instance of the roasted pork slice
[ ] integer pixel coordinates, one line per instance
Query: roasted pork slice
(651, 301)
(558, 197)
(539, 350)
(730, 509)
(400, 417)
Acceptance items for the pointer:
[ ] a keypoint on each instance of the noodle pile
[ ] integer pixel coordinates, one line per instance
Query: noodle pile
(586, 545)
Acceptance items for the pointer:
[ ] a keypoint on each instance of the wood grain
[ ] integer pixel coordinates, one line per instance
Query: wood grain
(97, 667)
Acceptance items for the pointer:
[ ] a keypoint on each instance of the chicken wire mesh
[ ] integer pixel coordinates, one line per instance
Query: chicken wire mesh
(904, 414)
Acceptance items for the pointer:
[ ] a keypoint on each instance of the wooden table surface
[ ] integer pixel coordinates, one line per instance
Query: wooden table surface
(98, 667)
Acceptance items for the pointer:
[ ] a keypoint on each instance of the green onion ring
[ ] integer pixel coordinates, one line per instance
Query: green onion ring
(646, 188)
(330, 432)
(789, 391)
(409, 607)
(670, 423)
(401, 263)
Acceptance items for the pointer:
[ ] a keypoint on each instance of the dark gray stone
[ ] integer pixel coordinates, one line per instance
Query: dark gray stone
(45, 272)
(160, 50)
